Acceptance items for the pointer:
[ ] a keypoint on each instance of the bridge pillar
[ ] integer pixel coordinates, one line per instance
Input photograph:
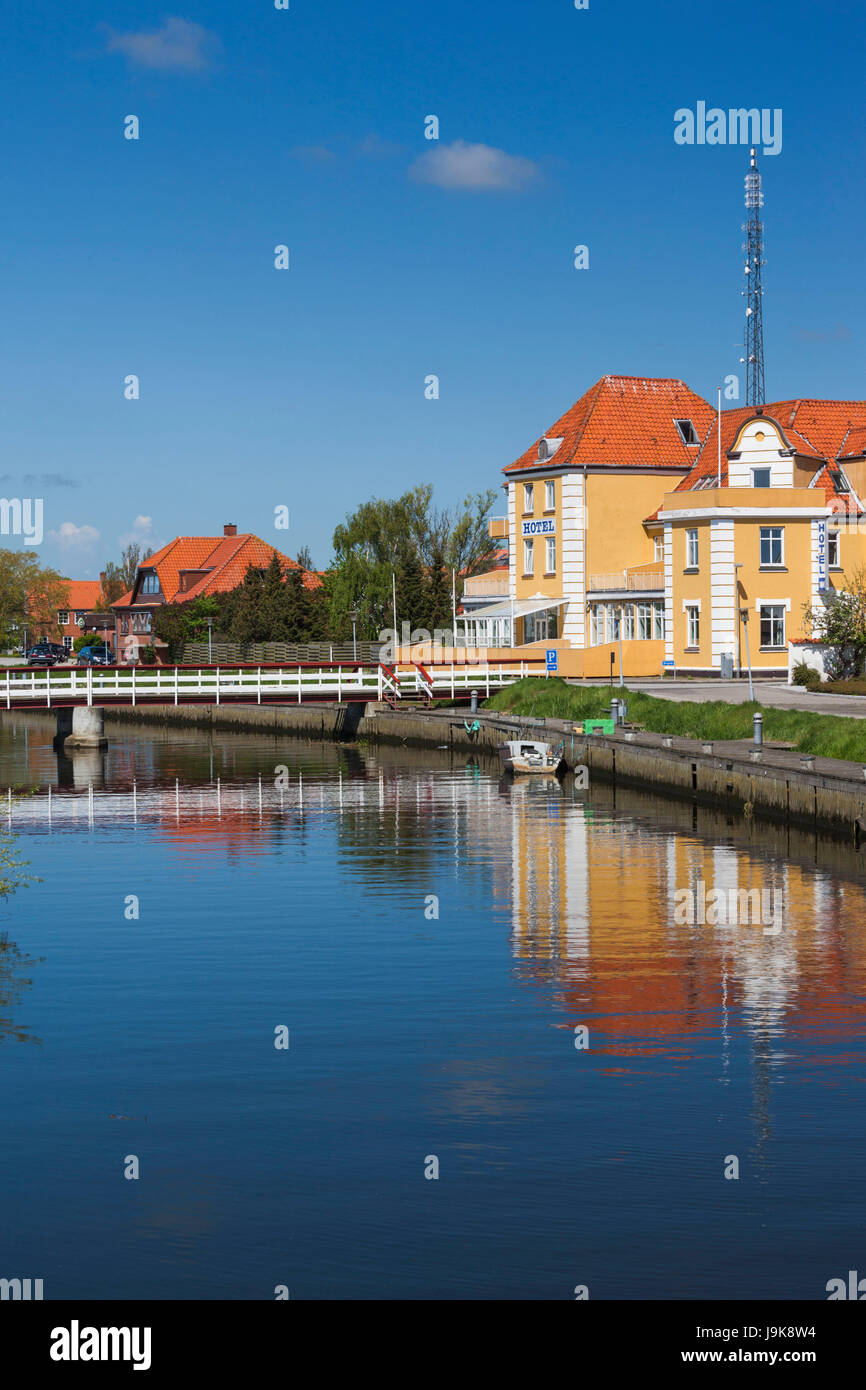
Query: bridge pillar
(81, 727)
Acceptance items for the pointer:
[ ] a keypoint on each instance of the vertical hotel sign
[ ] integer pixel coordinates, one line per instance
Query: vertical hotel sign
(822, 557)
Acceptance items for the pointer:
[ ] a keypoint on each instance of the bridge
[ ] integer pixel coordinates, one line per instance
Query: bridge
(55, 687)
(81, 694)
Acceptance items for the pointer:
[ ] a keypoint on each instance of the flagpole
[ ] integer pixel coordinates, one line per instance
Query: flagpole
(719, 432)
(394, 602)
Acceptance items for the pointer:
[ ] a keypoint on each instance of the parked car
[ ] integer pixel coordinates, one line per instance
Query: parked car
(97, 655)
(46, 654)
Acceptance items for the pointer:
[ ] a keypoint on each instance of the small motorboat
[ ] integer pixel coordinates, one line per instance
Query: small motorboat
(520, 755)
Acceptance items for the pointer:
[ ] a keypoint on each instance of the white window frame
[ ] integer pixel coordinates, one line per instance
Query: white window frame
(778, 608)
(528, 497)
(628, 622)
(644, 622)
(659, 620)
(550, 495)
(67, 642)
(63, 617)
(596, 624)
(692, 548)
(658, 548)
(768, 534)
(693, 625)
(833, 548)
(550, 555)
(528, 556)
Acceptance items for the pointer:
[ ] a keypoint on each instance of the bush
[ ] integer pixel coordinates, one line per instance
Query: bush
(804, 674)
(147, 656)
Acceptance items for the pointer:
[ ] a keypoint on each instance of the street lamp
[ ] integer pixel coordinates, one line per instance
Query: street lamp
(354, 615)
(209, 622)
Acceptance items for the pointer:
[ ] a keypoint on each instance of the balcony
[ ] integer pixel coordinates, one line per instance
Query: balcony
(635, 581)
(492, 585)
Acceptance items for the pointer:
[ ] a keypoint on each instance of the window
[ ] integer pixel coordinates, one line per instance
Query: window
(760, 477)
(597, 624)
(772, 546)
(550, 555)
(658, 548)
(540, 626)
(693, 625)
(67, 642)
(610, 617)
(527, 497)
(833, 549)
(527, 557)
(150, 583)
(628, 622)
(550, 496)
(659, 620)
(688, 433)
(691, 550)
(78, 615)
(63, 617)
(772, 625)
(644, 622)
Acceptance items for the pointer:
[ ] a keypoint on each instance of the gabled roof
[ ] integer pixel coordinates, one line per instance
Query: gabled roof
(815, 429)
(624, 421)
(82, 594)
(223, 559)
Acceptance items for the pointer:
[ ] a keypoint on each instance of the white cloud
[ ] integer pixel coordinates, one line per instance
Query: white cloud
(179, 45)
(72, 537)
(474, 169)
(142, 532)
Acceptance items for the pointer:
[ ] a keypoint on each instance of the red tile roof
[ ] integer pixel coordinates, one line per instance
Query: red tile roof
(625, 421)
(82, 595)
(224, 558)
(821, 428)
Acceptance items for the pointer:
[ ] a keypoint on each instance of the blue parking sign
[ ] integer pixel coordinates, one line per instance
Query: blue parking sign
(552, 655)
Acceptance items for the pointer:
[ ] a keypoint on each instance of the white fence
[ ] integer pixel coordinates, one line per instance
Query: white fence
(35, 688)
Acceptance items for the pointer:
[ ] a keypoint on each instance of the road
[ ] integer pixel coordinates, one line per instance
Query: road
(773, 694)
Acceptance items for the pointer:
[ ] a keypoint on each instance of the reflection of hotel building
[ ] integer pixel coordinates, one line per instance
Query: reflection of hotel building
(626, 520)
(593, 916)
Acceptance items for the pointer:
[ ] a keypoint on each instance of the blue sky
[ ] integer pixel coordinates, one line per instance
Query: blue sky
(408, 257)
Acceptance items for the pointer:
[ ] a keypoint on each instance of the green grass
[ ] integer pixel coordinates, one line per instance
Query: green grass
(825, 735)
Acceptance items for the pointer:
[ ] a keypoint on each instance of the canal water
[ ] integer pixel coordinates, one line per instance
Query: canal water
(513, 1070)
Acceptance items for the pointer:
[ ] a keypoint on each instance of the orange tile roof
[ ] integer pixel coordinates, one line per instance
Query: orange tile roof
(821, 428)
(854, 444)
(625, 421)
(224, 558)
(82, 594)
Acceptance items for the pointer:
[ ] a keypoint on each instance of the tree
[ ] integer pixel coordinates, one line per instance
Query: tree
(438, 592)
(246, 621)
(31, 595)
(840, 622)
(119, 579)
(376, 541)
(170, 624)
(304, 558)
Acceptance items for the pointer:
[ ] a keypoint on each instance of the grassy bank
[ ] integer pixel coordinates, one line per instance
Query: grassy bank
(825, 735)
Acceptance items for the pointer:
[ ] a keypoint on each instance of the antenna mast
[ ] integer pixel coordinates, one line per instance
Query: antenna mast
(754, 290)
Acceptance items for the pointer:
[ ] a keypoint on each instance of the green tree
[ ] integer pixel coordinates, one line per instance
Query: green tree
(840, 622)
(246, 623)
(31, 595)
(170, 624)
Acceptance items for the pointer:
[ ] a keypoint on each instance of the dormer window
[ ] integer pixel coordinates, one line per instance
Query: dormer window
(150, 583)
(687, 431)
(760, 477)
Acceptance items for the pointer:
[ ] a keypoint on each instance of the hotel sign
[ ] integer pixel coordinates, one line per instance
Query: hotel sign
(547, 527)
(822, 557)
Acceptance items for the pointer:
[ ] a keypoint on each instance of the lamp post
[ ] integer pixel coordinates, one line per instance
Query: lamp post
(209, 622)
(744, 618)
(354, 615)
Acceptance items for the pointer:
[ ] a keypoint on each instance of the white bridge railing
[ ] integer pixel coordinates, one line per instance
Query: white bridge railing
(45, 687)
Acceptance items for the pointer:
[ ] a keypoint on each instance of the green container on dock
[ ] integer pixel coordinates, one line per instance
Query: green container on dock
(598, 726)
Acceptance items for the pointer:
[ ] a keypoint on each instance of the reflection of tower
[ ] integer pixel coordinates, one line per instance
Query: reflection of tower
(754, 290)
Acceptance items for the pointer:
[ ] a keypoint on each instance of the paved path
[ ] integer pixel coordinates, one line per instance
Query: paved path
(774, 694)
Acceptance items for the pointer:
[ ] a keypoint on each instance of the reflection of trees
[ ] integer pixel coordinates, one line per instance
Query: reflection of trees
(12, 986)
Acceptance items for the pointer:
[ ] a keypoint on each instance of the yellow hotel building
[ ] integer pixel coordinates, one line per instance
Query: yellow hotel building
(631, 526)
